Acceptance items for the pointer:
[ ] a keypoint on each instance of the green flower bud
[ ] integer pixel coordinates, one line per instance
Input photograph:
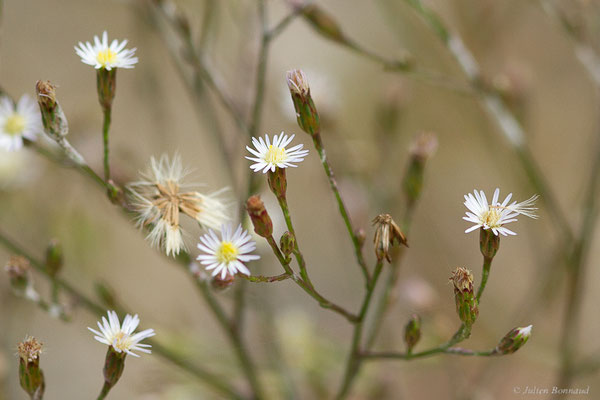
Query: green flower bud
(466, 302)
(287, 243)
(31, 376)
(106, 82)
(488, 243)
(306, 111)
(412, 332)
(277, 182)
(54, 258)
(261, 220)
(422, 148)
(114, 365)
(324, 23)
(514, 340)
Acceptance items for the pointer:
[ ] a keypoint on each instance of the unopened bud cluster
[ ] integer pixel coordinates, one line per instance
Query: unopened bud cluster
(464, 296)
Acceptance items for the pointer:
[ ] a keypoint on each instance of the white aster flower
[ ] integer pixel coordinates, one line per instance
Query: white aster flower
(269, 156)
(121, 337)
(228, 254)
(101, 55)
(495, 215)
(161, 196)
(18, 122)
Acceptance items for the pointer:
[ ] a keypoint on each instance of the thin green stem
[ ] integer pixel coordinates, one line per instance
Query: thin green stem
(105, 131)
(344, 213)
(354, 359)
(487, 263)
(267, 279)
(104, 392)
(297, 253)
(374, 356)
(323, 302)
(208, 378)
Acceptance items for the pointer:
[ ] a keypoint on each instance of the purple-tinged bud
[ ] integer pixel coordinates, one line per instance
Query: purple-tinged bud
(514, 340)
(263, 226)
(466, 302)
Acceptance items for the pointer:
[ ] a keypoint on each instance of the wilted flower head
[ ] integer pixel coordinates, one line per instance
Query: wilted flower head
(464, 296)
(160, 198)
(495, 215)
(269, 156)
(18, 121)
(30, 349)
(386, 233)
(297, 82)
(101, 55)
(121, 337)
(228, 254)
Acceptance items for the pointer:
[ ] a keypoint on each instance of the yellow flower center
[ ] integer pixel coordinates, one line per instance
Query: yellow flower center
(275, 155)
(122, 341)
(492, 217)
(227, 252)
(106, 57)
(14, 125)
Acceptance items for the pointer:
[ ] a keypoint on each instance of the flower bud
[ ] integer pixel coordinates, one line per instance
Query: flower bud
(287, 243)
(106, 82)
(324, 23)
(488, 243)
(263, 226)
(18, 268)
(421, 149)
(306, 112)
(466, 303)
(54, 258)
(412, 332)
(277, 182)
(387, 232)
(114, 365)
(361, 236)
(53, 117)
(31, 376)
(514, 340)
(219, 283)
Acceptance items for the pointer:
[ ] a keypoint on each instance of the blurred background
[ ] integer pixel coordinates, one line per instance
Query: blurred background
(530, 56)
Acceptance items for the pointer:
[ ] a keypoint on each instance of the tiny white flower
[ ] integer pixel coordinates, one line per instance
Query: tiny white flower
(18, 122)
(495, 215)
(269, 156)
(161, 197)
(121, 337)
(102, 55)
(228, 254)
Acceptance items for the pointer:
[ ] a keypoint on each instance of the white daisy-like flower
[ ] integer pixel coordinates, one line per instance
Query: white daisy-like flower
(101, 55)
(227, 255)
(495, 215)
(121, 337)
(19, 121)
(160, 198)
(269, 156)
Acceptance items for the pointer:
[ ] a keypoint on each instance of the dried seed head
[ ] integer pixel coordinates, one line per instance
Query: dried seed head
(53, 117)
(30, 349)
(46, 94)
(298, 83)
(466, 302)
(261, 220)
(387, 232)
(424, 146)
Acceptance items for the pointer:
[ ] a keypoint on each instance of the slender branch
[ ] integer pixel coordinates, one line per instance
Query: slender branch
(323, 302)
(373, 356)
(487, 263)
(267, 279)
(297, 253)
(354, 359)
(344, 213)
(208, 378)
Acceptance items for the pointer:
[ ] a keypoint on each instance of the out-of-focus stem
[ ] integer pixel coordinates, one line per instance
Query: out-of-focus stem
(208, 378)
(354, 359)
(318, 142)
